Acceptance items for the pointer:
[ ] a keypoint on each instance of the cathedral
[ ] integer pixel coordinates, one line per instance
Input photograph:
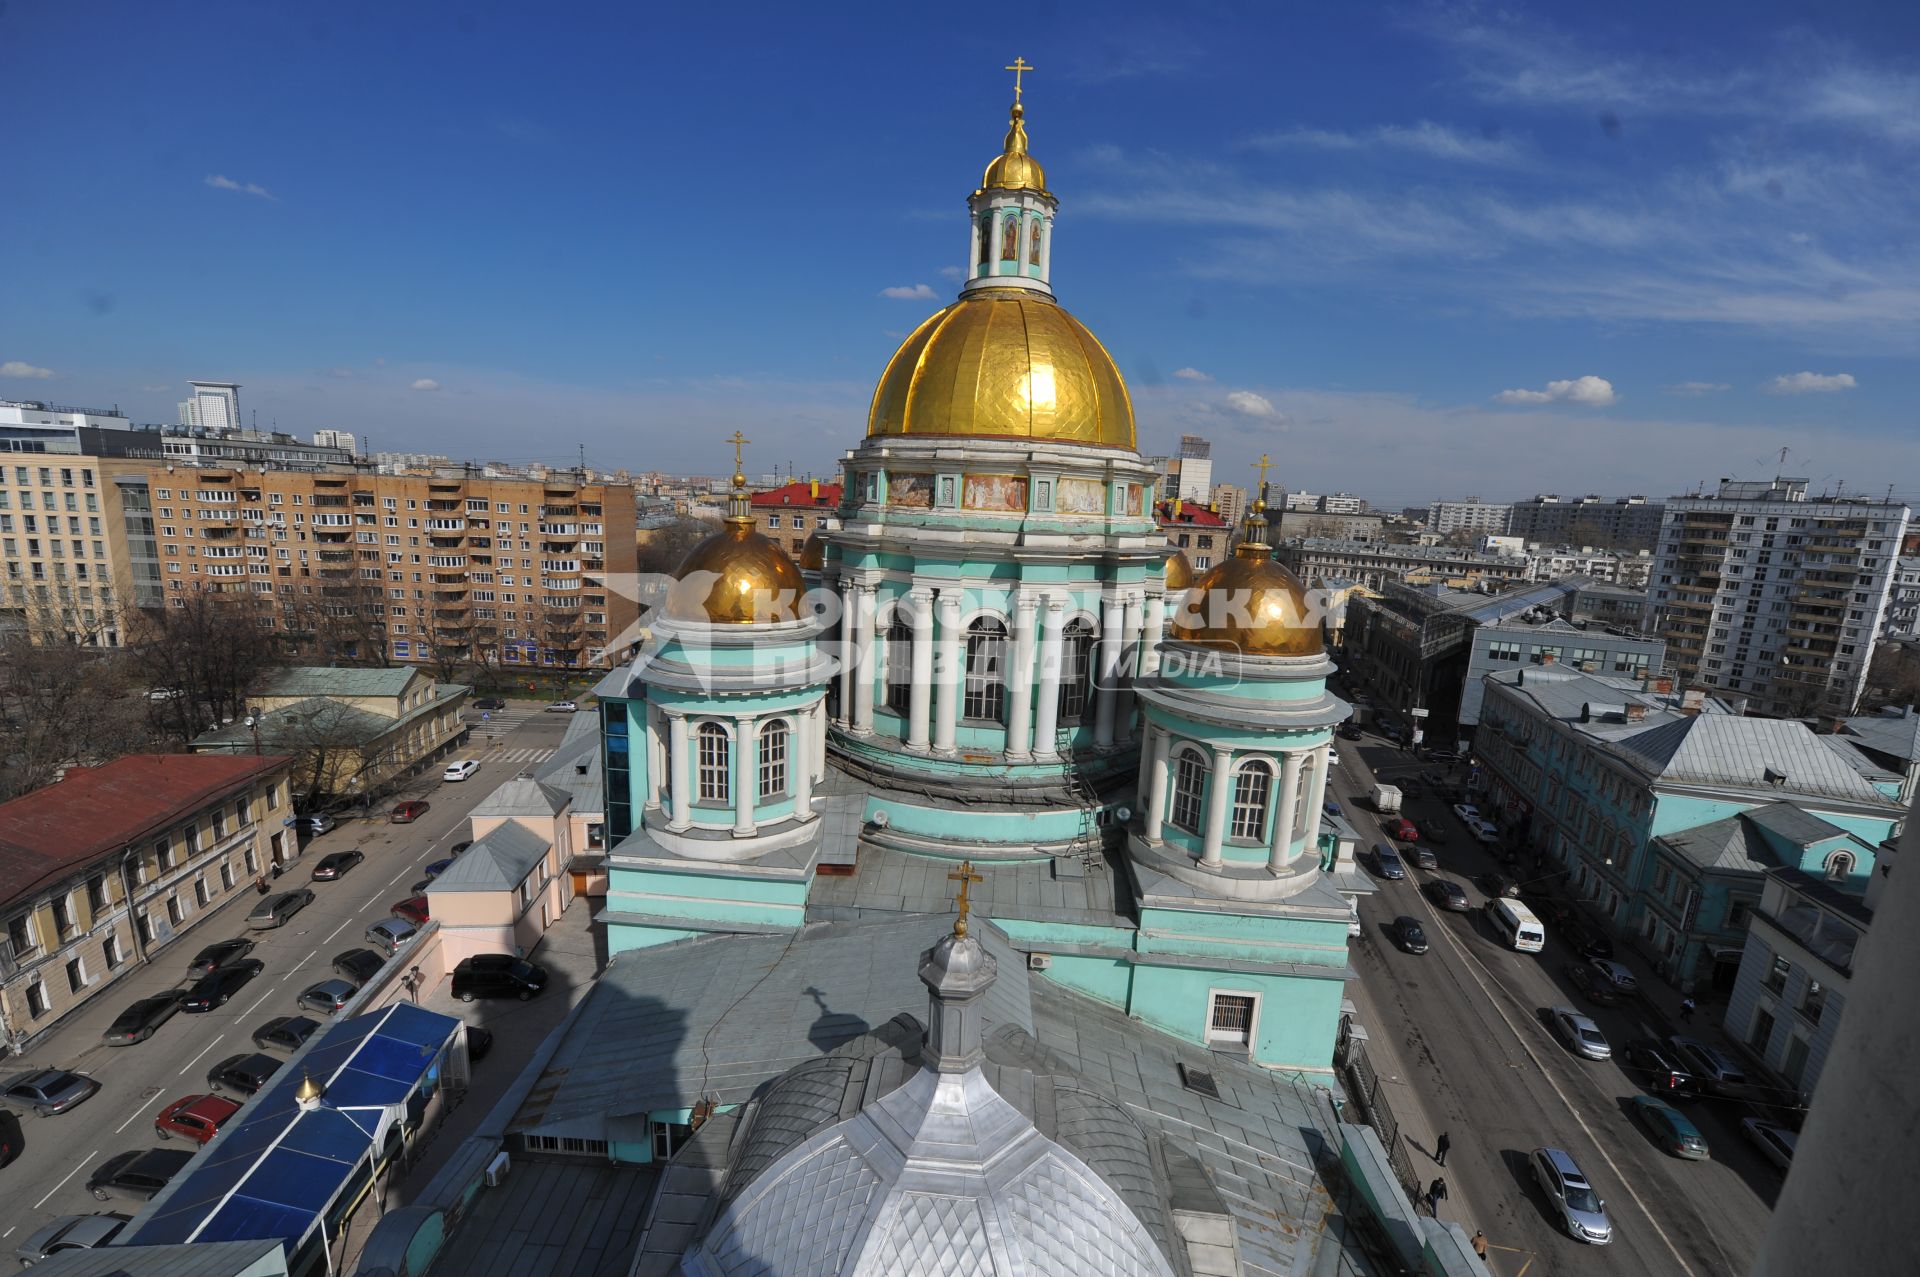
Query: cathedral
(991, 668)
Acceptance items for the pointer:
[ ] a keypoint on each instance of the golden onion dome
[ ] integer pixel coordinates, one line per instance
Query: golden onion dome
(813, 555)
(309, 1091)
(736, 577)
(1179, 571)
(1014, 169)
(1004, 363)
(1251, 605)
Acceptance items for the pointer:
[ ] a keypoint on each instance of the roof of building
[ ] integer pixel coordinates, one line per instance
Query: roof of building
(206, 1259)
(1893, 732)
(329, 722)
(1191, 512)
(573, 1218)
(577, 767)
(1740, 841)
(93, 811)
(523, 796)
(331, 680)
(799, 493)
(1731, 751)
(500, 861)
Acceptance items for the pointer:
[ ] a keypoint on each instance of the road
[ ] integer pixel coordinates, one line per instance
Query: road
(49, 1178)
(1466, 1018)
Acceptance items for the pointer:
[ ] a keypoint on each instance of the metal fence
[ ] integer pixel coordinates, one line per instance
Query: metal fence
(1363, 1088)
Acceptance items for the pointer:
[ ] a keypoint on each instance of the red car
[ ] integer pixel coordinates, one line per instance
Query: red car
(406, 813)
(1402, 829)
(413, 909)
(197, 1117)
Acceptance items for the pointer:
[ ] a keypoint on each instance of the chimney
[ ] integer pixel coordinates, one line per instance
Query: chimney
(1836, 726)
(1663, 685)
(813, 491)
(1547, 658)
(1692, 701)
(1636, 712)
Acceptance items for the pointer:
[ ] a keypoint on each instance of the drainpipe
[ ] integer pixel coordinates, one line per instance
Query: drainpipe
(127, 885)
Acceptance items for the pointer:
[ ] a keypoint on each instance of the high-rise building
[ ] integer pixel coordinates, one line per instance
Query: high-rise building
(215, 405)
(342, 439)
(1625, 523)
(1445, 518)
(1764, 591)
(1230, 502)
(65, 572)
(1196, 469)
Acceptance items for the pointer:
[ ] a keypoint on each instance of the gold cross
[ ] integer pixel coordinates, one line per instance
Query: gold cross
(1263, 465)
(1019, 68)
(739, 473)
(966, 877)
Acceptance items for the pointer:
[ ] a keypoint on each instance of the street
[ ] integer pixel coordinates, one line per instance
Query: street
(1466, 1022)
(49, 1178)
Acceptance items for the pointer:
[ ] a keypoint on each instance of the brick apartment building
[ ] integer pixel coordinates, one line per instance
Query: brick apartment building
(789, 514)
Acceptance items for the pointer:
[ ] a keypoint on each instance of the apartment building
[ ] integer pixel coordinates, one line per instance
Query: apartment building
(1444, 518)
(66, 576)
(1763, 590)
(1202, 533)
(1625, 523)
(789, 514)
(1373, 565)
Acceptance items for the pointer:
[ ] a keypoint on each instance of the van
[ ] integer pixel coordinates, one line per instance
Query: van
(1712, 1068)
(390, 935)
(1516, 924)
(1386, 862)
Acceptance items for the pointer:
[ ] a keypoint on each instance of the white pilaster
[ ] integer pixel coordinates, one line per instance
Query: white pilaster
(746, 776)
(1020, 682)
(656, 757)
(1219, 794)
(1317, 799)
(680, 768)
(947, 703)
(1156, 805)
(849, 611)
(863, 674)
(1130, 662)
(818, 717)
(800, 764)
(1046, 717)
(1286, 811)
(1112, 620)
(1156, 629)
(919, 707)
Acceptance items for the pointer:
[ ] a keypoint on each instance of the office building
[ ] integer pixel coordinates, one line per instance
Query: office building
(1763, 590)
(1444, 518)
(1624, 523)
(1540, 636)
(341, 439)
(66, 562)
(1230, 503)
(1196, 469)
(1373, 565)
(214, 405)
(1903, 602)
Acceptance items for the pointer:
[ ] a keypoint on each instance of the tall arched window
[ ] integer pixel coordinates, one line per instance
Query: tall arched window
(1250, 792)
(986, 696)
(900, 663)
(986, 239)
(1033, 251)
(1076, 669)
(1839, 866)
(773, 760)
(716, 770)
(1189, 786)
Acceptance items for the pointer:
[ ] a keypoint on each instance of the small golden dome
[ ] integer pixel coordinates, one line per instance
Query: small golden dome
(736, 577)
(813, 555)
(1179, 571)
(1004, 363)
(1251, 605)
(310, 1090)
(1015, 169)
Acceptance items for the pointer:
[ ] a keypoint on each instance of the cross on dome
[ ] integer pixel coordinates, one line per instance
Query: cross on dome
(966, 877)
(1018, 68)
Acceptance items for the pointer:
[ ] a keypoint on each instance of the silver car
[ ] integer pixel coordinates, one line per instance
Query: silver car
(70, 1232)
(275, 910)
(1581, 1033)
(49, 1091)
(1582, 1211)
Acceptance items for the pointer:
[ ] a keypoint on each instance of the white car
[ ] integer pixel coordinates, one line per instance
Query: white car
(460, 770)
(1615, 973)
(562, 707)
(1484, 831)
(1774, 1140)
(1467, 812)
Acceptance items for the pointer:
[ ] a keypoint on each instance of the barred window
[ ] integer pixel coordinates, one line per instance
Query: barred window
(986, 696)
(900, 662)
(1230, 1019)
(773, 761)
(1076, 670)
(1189, 783)
(1250, 790)
(714, 764)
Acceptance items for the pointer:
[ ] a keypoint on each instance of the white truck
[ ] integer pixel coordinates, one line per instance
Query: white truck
(1386, 799)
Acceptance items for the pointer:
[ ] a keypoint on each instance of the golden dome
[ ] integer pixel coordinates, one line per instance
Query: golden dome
(736, 577)
(1179, 571)
(1252, 605)
(1004, 363)
(1015, 169)
(310, 1090)
(813, 555)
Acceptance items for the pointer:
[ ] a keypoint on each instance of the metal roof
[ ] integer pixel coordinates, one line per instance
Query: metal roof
(498, 862)
(580, 745)
(522, 796)
(216, 1259)
(330, 680)
(1894, 732)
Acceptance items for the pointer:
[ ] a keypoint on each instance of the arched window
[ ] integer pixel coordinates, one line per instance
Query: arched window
(1076, 669)
(1839, 866)
(900, 662)
(773, 760)
(1189, 785)
(716, 768)
(1250, 791)
(986, 696)
(986, 239)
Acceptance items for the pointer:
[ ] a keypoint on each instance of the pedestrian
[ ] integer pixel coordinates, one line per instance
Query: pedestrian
(260, 884)
(1479, 1244)
(1686, 1011)
(1440, 1149)
(1436, 1193)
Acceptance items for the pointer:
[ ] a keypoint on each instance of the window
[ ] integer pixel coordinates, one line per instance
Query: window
(773, 760)
(97, 894)
(226, 876)
(1250, 790)
(568, 1144)
(986, 694)
(1839, 866)
(714, 769)
(1230, 1019)
(200, 892)
(174, 912)
(1815, 1002)
(37, 1000)
(63, 916)
(76, 976)
(1189, 782)
(163, 855)
(1076, 670)
(20, 935)
(111, 950)
(1503, 651)
(1777, 974)
(900, 662)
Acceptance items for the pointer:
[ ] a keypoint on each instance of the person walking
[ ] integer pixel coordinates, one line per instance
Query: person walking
(1686, 1010)
(1440, 1149)
(1479, 1244)
(1436, 1193)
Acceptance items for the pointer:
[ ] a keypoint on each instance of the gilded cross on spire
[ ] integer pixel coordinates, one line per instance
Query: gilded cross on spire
(966, 877)
(1019, 68)
(1263, 465)
(738, 441)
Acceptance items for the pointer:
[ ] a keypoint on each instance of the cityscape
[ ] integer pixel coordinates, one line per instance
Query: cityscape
(600, 747)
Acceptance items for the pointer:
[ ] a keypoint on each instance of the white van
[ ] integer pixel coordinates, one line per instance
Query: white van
(1516, 925)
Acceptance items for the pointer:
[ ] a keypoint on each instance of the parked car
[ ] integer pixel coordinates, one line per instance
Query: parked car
(49, 1091)
(1615, 974)
(1436, 833)
(1497, 885)
(328, 996)
(1386, 863)
(1409, 934)
(1331, 807)
(1402, 830)
(407, 812)
(1669, 1129)
(1579, 1209)
(313, 824)
(13, 1140)
(138, 1022)
(215, 956)
(1580, 1033)
(1586, 940)
(1662, 1068)
(1467, 812)
(1590, 985)
(497, 975)
(1351, 731)
(335, 865)
(275, 911)
(213, 990)
(1715, 1070)
(285, 1033)
(453, 852)
(70, 1232)
(460, 770)
(1424, 857)
(195, 1117)
(489, 704)
(1447, 894)
(562, 707)
(242, 1074)
(1774, 1141)
(358, 965)
(435, 868)
(479, 1042)
(1484, 832)
(389, 935)
(413, 909)
(1550, 909)
(141, 1173)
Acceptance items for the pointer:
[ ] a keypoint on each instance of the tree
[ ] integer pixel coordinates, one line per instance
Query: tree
(210, 649)
(1894, 676)
(337, 753)
(62, 706)
(344, 624)
(666, 546)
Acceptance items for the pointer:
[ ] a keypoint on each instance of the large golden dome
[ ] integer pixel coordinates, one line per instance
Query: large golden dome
(1251, 605)
(736, 577)
(1004, 363)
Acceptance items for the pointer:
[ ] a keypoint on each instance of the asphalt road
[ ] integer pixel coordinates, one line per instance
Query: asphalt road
(1467, 1018)
(49, 1178)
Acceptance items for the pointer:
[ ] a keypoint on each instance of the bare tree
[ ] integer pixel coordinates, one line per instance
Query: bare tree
(338, 753)
(666, 546)
(343, 624)
(1894, 676)
(211, 649)
(61, 706)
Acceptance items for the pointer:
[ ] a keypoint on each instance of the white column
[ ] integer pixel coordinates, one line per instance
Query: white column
(817, 719)
(1219, 791)
(1156, 629)
(1317, 799)
(680, 767)
(746, 748)
(1135, 623)
(656, 758)
(1046, 250)
(947, 703)
(849, 593)
(863, 608)
(1112, 619)
(1046, 717)
(919, 708)
(996, 230)
(1020, 679)
(800, 764)
(1285, 811)
(1156, 806)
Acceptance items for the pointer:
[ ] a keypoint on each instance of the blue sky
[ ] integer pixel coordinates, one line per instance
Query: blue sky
(1410, 250)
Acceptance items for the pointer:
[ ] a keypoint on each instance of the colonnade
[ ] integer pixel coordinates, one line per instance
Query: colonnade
(1284, 808)
(672, 739)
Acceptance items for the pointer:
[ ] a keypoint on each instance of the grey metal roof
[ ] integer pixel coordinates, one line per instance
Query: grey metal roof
(562, 770)
(576, 1218)
(1724, 750)
(331, 680)
(1895, 733)
(1061, 891)
(498, 862)
(197, 1259)
(1793, 824)
(1724, 844)
(523, 796)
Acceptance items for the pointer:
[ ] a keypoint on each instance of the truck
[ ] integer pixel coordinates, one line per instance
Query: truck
(1386, 799)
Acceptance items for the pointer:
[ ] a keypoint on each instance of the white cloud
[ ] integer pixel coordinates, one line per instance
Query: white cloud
(909, 292)
(1192, 374)
(1594, 392)
(1248, 404)
(1694, 389)
(1811, 383)
(952, 272)
(426, 383)
(1436, 141)
(220, 182)
(20, 368)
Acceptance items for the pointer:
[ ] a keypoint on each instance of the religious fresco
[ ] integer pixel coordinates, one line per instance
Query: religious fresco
(1083, 496)
(1010, 240)
(1136, 503)
(1033, 253)
(1005, 492)
(913, 490)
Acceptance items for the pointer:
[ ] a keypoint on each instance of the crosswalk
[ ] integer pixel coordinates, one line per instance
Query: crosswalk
(519, 757)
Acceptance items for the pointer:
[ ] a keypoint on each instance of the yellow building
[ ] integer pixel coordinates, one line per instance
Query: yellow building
(65, 569)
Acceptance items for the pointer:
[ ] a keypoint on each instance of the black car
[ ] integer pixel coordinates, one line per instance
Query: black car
(1589, 984)
(358, 965)
(1661, 1068)
(1435, 831)
(1448, 894)
(497, 975)
(1409, 934)
(13, 1139)
(285, 1032)
(242, 1074)
(1497, 885)
(1552, 910)
(334, 865)
(215, 956)
(489, 703)
(214, 989)
(141, 1173)
(1351, 731)
(1587, 941)
(479, 1042)
(138, 1022)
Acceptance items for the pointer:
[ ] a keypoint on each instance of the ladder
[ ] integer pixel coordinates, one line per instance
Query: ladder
(1089, 842)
